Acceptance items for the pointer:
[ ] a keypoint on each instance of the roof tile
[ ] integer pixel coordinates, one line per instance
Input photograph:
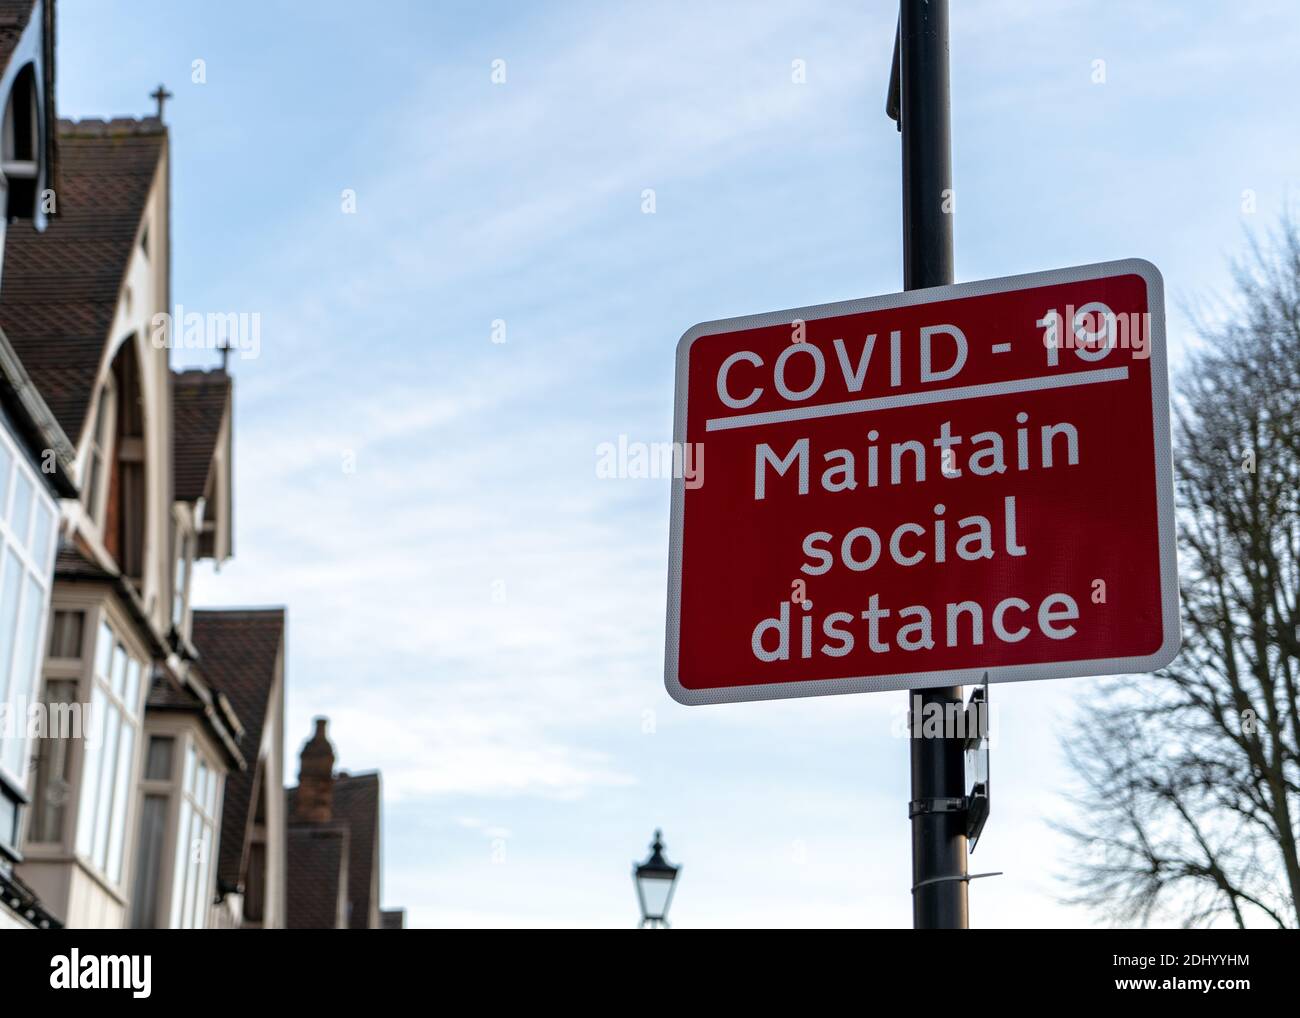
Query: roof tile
(238, 650)
(317, 864)
(59, 289)
(199, 402)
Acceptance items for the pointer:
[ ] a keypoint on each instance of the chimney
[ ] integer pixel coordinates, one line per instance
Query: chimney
(314, 802)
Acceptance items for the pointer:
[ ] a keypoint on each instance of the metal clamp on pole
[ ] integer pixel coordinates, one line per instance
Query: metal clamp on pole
(940, 804)
(964, 878)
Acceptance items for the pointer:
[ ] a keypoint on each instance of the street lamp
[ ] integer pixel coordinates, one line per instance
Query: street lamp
(655, 879)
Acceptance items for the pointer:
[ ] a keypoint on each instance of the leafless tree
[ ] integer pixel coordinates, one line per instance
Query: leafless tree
(1191, 778)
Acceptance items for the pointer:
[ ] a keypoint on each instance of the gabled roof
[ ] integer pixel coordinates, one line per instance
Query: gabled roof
(59, 289)
(238, 654)
(200, 401)
(356, 808)
(356, 803)
(318, 864)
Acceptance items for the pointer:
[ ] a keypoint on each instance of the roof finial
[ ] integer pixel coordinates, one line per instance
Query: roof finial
(161, 95)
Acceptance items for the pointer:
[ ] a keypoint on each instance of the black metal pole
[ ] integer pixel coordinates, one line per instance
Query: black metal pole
(938, 777)
(927, 155)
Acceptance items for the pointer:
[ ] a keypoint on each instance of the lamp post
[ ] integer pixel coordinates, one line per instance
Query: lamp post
(655, 879)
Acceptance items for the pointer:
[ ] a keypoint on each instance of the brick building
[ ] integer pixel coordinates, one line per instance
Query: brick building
(167, 807)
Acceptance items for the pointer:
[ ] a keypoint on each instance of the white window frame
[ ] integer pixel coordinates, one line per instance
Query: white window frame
(99, 453)
(105, 798)
(186, 873)
(198, 800)
(36, 571)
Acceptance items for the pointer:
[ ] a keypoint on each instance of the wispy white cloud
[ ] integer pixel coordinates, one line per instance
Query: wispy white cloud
(468, 540)
(481, 616)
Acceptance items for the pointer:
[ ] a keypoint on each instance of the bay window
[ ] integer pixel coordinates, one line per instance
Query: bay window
(27, 527)
(109, 758)
(175, 855)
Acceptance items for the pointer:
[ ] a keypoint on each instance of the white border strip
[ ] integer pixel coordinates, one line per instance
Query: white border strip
(1163, 493)
(957, 392)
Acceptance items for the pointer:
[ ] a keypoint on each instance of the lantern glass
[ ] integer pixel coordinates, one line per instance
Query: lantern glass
(655, 889)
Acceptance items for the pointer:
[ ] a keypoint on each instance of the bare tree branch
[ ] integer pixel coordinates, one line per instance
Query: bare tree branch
(1190, 778)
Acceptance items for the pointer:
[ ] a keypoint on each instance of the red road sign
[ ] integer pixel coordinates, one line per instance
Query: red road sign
(911, 490)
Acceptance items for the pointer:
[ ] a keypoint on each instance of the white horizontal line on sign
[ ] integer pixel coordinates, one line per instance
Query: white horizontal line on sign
(861, 406)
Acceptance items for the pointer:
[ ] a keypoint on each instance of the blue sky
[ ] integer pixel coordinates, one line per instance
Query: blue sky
(527, 745)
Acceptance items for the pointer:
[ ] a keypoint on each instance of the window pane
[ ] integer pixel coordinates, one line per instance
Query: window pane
(179, 866)
(40, 546)
(94, 761)
(20, 513)
(103, 651)
(201, 788)
(119, 669)
(189, 770)
(49, 803)
(149, 862)
(213, 781)
(23, 684)
(117, 830)
(107, 777)
(192, 846)
(6, 461)
(65, 634)
(9, 587)
(132, 694)
(200, 916)
(159, 765)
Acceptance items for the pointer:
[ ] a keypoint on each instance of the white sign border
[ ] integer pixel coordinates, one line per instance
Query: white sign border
(1169, 600)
